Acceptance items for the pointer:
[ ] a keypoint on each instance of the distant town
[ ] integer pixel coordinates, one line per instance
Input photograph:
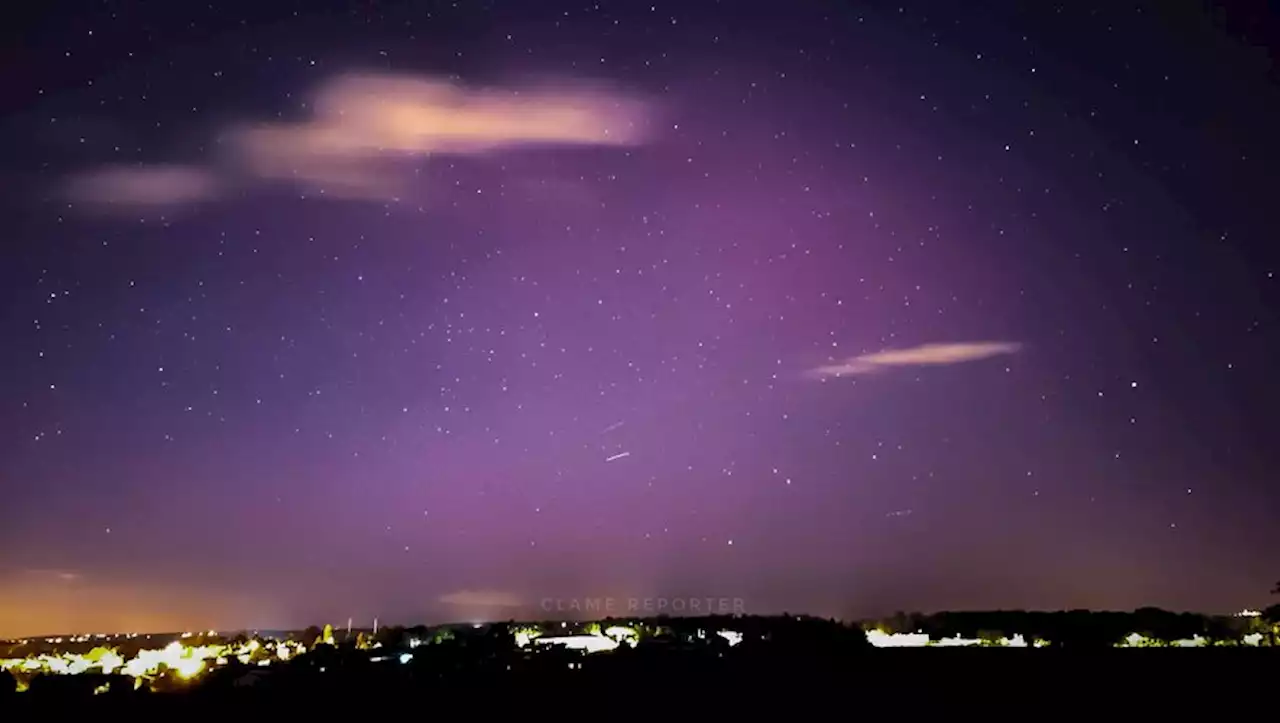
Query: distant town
(111, 663)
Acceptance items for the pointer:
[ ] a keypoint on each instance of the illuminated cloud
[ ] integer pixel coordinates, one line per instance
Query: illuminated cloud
(48, 574)
(925, 355)
(482, 599)
(143, 186)
(362, 123)
(365, 127)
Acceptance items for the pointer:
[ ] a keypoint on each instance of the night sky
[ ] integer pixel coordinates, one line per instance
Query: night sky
(431, 311)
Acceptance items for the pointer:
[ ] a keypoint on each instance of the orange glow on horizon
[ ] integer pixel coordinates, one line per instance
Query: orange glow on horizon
(39, 603)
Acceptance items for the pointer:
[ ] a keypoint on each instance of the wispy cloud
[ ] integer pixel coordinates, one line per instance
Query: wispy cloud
(143, 186)
(364, 126)
(924, 355)
(482, 599)
(49, 574)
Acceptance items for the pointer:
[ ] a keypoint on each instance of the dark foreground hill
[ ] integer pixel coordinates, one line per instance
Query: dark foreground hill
(1218, 684)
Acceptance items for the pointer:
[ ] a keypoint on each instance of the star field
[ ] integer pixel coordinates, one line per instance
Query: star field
(843, 308)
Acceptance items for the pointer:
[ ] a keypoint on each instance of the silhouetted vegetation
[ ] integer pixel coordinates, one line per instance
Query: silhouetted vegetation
(724, 659)
(1082, 629)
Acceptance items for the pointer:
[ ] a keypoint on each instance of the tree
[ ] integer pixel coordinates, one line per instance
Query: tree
(1218, 631)
(310, 636)
(1271, 620)
(991, 638)
(391, 636)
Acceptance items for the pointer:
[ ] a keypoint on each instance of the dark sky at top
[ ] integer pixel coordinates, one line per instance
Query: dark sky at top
(434, 310)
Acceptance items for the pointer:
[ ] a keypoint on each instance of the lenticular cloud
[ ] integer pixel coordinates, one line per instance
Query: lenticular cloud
(924, 355)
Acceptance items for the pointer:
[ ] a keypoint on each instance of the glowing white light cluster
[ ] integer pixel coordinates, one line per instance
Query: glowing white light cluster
(733, 637)
(588, 643)
(882, 639)
(1138, 640)
(956, 642)
(1016, 641)
(185, 661)
(523, 637)
(623, 635)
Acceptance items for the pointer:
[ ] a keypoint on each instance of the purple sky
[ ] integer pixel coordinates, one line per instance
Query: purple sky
(343, 314)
